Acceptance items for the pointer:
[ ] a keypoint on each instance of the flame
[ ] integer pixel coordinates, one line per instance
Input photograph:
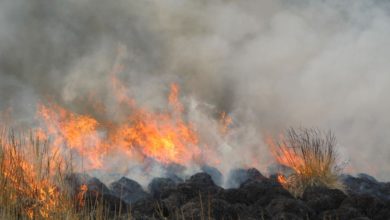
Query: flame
(81, 195)
(77, 132)
(282, 179)
(174, 100)
(225, 122)
(26, 177)
(286, 156)
(163, 136)
(29, 174)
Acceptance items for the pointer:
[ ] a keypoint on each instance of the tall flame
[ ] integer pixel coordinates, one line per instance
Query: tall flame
(163, 136)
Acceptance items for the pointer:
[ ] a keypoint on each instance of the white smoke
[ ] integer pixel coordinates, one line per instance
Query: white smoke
(269, 64)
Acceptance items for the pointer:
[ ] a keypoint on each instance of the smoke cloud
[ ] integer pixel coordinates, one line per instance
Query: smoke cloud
(268, 64)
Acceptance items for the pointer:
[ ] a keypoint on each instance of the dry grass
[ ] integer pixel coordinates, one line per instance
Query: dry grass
(33, 175)
(30, 177)
(312, 156)
(33, 182)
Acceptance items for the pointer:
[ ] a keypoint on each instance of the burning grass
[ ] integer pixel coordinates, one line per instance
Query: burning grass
(38, 182)
(312, 157)
(33, 181)
(34, 167)
(26, 178)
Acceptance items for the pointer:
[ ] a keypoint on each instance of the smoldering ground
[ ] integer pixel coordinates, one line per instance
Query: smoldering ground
(269, 64)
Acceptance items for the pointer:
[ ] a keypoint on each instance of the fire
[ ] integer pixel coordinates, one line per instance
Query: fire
(29, 174)
(282, 179)
(81, 195)
(285, 156)
(77, 132)
(164, 136)
(225, 122)
(161, 137)
(174, 100)
(27, 177)
(311, 155)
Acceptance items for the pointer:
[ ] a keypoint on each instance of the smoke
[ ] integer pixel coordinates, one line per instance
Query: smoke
(269, 64)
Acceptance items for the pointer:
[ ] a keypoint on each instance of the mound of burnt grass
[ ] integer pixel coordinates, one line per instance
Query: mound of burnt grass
(255, 197)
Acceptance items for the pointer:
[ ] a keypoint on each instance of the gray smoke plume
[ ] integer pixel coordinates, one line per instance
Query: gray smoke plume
(269, 64)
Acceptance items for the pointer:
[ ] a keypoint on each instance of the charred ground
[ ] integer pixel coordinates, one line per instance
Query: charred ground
(255, 197)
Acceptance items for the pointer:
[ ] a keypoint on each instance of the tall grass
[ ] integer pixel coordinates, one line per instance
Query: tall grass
(37, 181)
(33, 181)
(31, 178)
(312, 156)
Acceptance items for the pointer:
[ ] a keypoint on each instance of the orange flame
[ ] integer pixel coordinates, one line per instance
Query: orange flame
(81, 195)
(27, 177)
(77, 132)
(163, 136)
(225, 122)
(282, 179)
(286, 156)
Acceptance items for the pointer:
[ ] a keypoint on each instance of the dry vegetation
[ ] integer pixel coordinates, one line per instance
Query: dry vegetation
(33, 182)
(33, 175)
(312, 156)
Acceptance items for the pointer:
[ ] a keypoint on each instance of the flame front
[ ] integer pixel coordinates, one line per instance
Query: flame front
(163, 136)
(131, 133)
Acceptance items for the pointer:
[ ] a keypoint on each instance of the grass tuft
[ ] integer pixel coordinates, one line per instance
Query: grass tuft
(311, 155)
